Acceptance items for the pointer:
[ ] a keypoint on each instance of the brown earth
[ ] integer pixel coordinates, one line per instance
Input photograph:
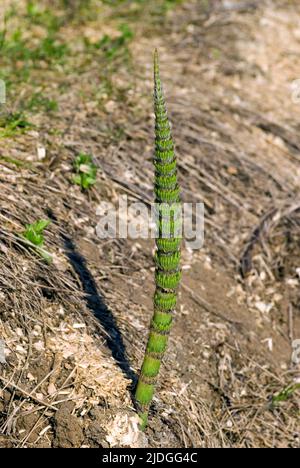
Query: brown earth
(75, 331)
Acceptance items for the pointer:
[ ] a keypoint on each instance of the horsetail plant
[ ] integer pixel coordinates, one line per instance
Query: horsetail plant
(168, 250)
(33, 236)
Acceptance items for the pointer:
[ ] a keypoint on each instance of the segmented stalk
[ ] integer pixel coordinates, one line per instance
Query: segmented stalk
(168, 247)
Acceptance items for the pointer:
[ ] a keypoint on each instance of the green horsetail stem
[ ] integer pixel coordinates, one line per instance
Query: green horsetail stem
(167, 255)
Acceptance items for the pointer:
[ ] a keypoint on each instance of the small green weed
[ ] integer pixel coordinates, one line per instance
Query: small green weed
(80, 11)
(86, 171)
(16, 162)
(16, 49)
(38, 101)
(35, 232)
(13, 123)
(34, 235)
(114, 47)
(168, 251)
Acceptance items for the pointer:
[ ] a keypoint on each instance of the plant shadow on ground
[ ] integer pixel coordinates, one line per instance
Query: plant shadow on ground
(100, 310)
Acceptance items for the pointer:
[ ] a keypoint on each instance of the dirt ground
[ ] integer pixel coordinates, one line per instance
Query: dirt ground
(75, 331)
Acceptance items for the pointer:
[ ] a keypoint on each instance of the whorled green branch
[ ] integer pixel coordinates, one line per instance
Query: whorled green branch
(168, 250)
